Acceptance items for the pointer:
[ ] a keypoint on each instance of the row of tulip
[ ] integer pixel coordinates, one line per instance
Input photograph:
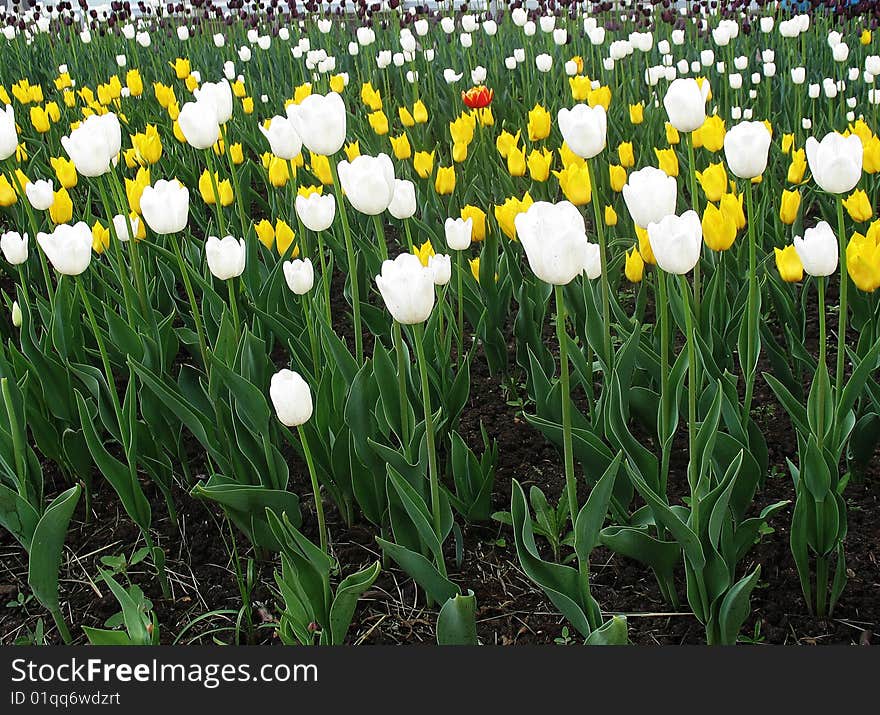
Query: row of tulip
(191, 286)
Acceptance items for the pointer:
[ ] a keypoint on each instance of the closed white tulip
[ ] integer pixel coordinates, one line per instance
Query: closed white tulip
(745, 147)
(219, 96)
(368, 182)
(199, 125)
(555, 241)
(685, 104)
(291, 398)
(407, 287)
(650, 195)
(818, 250)
(165, 206)
(584, 129)
(403, 203)
(94, 144)
(316, 211)
(40, 194)
(459, 233)
(68, 248)
(126, 227)
(320, 121)
(299, 275)
(440, 266)
(544, 62)
(8, 133)
(676, 242)
(284, 141)
(835, 162)
(15, 247)
(593, 263)
(225, 256)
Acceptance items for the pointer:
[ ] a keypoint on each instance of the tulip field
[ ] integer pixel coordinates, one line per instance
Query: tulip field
(348, 323)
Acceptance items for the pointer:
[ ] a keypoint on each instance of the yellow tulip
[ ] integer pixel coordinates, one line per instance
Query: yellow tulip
(100, 237)
(461, 130)
(569, 157)
(732, 205)
(788, 206)
(424, 252)
(516, 162)
(539, 164)
(667, 161)
(63, 81)
(423, 163)
(65, 171)
(508, 211)
(279, 173)
(711, 135)
(617, 174)
(865, 37)
(645, 250)
(574, 181)
(353, 150)
(406, 118)
(610, 216)
(719, 228)
(69, 99)
(485, 117)
(626, 155)
(797, 167)
(444, 183)
(420, 112)
(401, 147)
(61, 210)
(789, 265)
(505, 142)
(181, 68)
(7, 194)
(863, 261)
(284, 236)
(337, 83)
(134, 188)
(858, 206)
(539, 123)
(206, 189)
(672, 137)
(580, 87)
(148, 145)
(787, 143)
(238, 89)
(378, 122)
(459, 152)
(475, 268)
(134, 83)
(635, 266)
(320, 168)
(713, 181)
(301, 92)
(478, 217)
(236, 153)
(247, 105)
(306, 191)
(40, 119)
(637, 113)
(871, 155)
(265, 233)
(600, 97)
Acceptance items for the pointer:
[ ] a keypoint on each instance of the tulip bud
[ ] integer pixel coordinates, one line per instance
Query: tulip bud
(40, 194)
(165, 206)
(14, 247)
(368, 183)
(818, 250)
(458, 233)
(403, 202)
(676, 242)
(68, 248)
(16, 314)
(555, 241)
(316, 211)
(440, 267)
(836, 161)
(300, 275)
(407, 287)
(291, 398)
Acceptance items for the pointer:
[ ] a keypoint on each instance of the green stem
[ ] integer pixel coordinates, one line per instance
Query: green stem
(397, 331)
(603, 259)
(692, 391)
(433, 476)
(190, 294)
(662, 310)
(844, 283)
(823, 340)
(459, 333)
(695, 200)
(316, 489)
(752, 306)
(352, 266)
(562, 337)
(233, 304)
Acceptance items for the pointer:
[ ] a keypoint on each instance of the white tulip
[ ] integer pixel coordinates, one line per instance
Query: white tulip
(165, 206)
(835, 162)
(403, 203)
(650, 195)
(283, 138)
(40, 194)
(15, 247)
(554, 238)
(676, 242)
(818, 250)
(226, 256)
(316, 211)
(368, 183)
(291, 398)
(746, 147)
(441, 269)
(458, 233)
(407, 288)
(68, 248)
(584, 129)
(299, 275)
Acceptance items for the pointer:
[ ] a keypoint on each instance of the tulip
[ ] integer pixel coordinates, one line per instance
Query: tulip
(316, 211)
(789, 265)
(555, 241)
(165, 206)
(217, 95)
(407, 288)
(225, 257)
(300, 275)
(368, 182)
(458, 233)
(583, 129)
(283, 138)
(863, 261)
(818, 250)
(94, 144)
(713, 181)
(403, 204)
(8, 133)
(685, 103)
(650, 195)
(61, 210)
(440, 267)
(634, 268)
(745, 147)
(320, 120)
(788, 207)
(68, 248)
(539, 123)
(199, 125)
(444, 182)
(40, 194)
(719, 229)
(291, 398)
(857, 205)
(835, 162)
(676, 241)
(15, 247)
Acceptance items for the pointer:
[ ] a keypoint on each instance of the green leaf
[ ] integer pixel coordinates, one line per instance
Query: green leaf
(347, 594)
(422, 571)
(735, 607)
(44, 555)
(457, 622)
(592, 514)
(612, 632)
